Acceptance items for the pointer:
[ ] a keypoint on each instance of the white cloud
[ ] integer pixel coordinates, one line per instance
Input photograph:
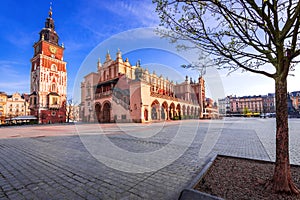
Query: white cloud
(141, 11)
(8, 68)
(13, 80)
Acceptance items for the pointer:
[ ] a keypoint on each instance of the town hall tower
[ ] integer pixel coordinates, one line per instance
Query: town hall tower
(48, 82)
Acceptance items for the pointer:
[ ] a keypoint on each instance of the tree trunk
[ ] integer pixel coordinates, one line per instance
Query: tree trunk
(282, 180)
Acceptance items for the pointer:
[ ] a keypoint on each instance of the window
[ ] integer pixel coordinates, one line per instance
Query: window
(53, 87)
(53, 67)
(54, 100)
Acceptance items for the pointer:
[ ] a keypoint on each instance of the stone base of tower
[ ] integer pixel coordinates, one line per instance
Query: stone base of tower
(52, 116)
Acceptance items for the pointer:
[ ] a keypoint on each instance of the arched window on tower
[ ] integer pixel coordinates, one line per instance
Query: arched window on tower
(53, 87)
(53, 67)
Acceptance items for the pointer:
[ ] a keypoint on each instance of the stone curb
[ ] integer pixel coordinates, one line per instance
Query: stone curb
(189, 193)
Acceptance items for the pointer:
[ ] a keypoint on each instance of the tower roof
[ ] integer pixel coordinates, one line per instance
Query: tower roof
(48, 33)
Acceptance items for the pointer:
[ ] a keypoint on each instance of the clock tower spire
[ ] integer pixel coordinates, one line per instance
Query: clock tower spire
(48, 76)
(48, 33)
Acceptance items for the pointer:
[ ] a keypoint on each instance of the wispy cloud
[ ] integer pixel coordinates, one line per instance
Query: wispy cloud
(15, 86)
(12, 79)
(20, 39)
(124, 14)
(8, 69)
(143, 12)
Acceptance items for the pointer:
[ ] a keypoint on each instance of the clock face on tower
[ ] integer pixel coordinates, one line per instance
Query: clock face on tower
(52, 49)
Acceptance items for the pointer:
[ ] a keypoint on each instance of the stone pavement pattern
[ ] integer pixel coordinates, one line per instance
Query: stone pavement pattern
(51, 162)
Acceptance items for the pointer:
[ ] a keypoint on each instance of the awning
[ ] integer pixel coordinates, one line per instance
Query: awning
(25, 117)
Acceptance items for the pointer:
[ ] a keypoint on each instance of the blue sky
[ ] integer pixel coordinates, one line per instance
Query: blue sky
(84, 25)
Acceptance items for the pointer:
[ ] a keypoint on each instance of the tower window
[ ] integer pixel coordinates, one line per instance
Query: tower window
(53, 88)
(53, 67)
(54, 101)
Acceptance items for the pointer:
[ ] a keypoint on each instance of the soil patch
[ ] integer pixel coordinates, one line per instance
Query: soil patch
(238, 178)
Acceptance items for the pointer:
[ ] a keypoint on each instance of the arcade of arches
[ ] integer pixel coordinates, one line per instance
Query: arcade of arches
(165, 111)
(103, 112)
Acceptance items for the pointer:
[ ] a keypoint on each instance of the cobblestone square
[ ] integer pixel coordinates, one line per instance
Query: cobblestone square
(56, 161)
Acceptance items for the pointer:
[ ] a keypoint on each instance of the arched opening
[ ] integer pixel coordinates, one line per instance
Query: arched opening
(146, 115)
(188, 112)
(192, 112)
(53, 67)
(155, 110)
(164, 111)
(183, 110)
(178, 111)
(98, 112)
(53, 87)
(172, 111)
(106, 112)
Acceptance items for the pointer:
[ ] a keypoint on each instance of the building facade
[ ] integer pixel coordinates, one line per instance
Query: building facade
(258, 104)
(269, 103)
(295, 97)
(119, 91)
(11, 106)
(48, 83)
(224, 105)
(3, 101)
(17, 105)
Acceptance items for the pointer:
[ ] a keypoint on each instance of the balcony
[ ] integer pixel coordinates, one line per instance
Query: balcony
(103, 94)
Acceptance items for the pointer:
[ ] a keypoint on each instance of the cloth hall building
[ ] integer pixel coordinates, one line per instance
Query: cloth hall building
(121, 92)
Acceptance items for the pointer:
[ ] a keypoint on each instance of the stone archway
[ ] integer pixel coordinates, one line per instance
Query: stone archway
(164, 111)
(172, 111)
(188, 112)
(106, 112)
(184, 110)
(98, 112)
(155, 110)
(178, 111)
(192, 112)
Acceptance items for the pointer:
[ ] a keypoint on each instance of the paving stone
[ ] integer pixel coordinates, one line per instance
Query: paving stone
(62, 168)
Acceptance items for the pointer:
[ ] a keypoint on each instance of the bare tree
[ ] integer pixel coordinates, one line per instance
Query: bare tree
(260, 37)
(71, 110)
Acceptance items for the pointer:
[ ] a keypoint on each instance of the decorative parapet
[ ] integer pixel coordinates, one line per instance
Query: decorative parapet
(163, 96)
